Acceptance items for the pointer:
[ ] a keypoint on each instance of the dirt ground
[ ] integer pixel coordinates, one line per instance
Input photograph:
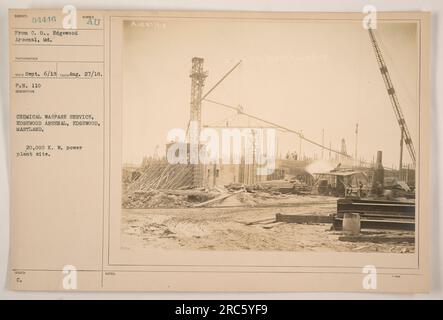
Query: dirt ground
(248, 228)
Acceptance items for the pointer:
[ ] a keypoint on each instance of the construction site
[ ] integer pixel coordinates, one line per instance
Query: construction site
(329, 201)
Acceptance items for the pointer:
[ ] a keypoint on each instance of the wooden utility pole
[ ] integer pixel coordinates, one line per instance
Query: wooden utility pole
(322, 143)
(299, 147)
(356, 144)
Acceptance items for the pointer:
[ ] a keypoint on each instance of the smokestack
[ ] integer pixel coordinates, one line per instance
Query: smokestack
(379, 158)
(379, 174)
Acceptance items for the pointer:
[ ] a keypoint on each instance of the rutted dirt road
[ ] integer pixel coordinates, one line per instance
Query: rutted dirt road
(244, 228)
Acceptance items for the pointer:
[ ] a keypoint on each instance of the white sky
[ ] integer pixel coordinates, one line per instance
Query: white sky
(303, 75)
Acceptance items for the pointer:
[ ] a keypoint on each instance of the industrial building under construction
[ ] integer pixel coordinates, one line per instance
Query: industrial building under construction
(360, 201)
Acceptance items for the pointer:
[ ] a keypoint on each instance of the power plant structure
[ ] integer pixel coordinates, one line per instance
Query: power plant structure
(214, 205)
(157, 173)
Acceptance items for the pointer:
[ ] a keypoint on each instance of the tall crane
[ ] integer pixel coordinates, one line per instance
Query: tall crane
(405, 135)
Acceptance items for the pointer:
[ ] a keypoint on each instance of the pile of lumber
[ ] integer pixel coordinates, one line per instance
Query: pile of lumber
(284, 186)
(377, 214)
(162, 175)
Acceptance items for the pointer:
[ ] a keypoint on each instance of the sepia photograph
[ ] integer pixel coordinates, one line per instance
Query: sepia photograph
(231, 152)
(295, 135)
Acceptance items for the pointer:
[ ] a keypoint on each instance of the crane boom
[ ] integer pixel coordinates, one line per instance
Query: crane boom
(393, 97)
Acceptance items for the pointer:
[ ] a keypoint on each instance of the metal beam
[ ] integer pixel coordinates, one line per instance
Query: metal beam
(240, 111)
(221, 80)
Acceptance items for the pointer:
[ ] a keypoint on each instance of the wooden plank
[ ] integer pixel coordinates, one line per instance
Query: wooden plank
(202, 204)
(303, 218)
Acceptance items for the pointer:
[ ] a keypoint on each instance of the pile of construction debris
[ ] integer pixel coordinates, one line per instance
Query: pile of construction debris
(159, 175)
(229, 196)
(165, 198)
(274, 187)
(158, 184)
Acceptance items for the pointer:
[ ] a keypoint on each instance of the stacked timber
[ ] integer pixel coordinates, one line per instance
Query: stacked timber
(162, 175)
(377, 214)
